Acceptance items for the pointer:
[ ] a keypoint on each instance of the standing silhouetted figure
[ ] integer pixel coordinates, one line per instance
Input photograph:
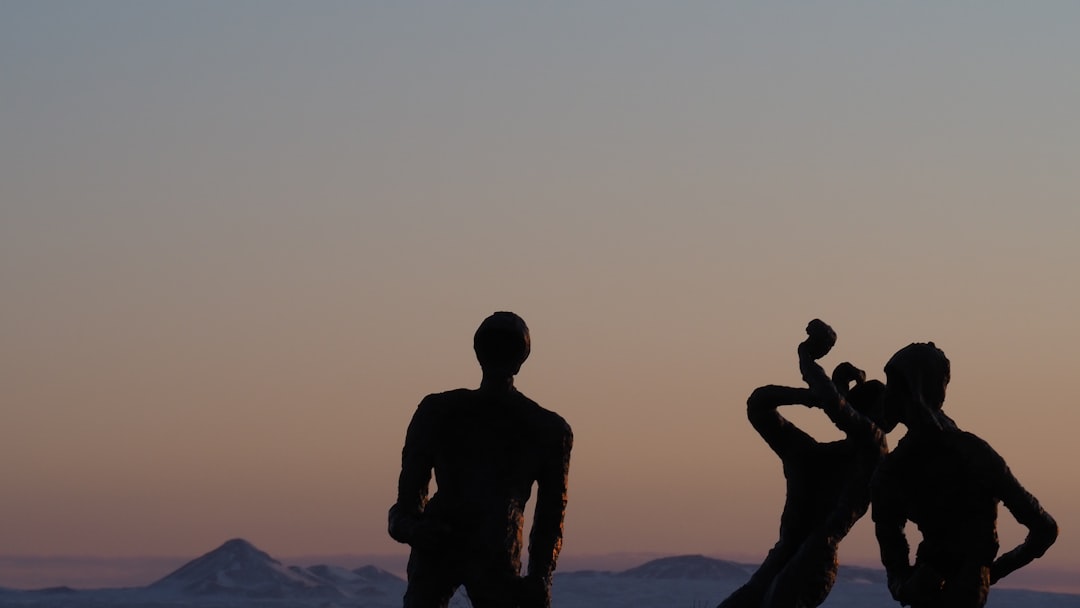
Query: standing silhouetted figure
(948, 482)
(486, 447)
(827, 483)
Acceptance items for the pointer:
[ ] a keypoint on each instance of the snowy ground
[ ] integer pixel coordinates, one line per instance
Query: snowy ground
(574, 590)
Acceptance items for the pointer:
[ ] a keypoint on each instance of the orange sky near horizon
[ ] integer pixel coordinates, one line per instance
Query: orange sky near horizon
(239, 243)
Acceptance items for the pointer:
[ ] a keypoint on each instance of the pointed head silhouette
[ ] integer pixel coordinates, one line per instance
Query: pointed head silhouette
(502, 344)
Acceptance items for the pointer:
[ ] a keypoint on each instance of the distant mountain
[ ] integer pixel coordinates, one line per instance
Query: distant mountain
(238, 568)
(369, 575)
(377, 575)
(368, 581)
(699, 567)
(689, 567)
(238, 575)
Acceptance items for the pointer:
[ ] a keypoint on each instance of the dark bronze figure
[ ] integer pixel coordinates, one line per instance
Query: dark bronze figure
(486, 448)
(948, 482)
(827, 483)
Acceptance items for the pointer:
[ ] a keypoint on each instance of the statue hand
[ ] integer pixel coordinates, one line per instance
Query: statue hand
(419, 531)
(430, 534)
(846, 373)
(820, 340)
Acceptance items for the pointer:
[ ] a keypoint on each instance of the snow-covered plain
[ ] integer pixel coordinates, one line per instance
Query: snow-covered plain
(238, 575)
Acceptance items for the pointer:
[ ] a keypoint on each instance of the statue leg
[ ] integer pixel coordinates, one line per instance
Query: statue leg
(432, 581)
(807, 578)
(968, 588)
(493, 585)
(747, 596)
(751, 594)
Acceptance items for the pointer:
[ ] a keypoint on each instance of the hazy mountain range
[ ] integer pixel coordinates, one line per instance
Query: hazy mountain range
(238, 574)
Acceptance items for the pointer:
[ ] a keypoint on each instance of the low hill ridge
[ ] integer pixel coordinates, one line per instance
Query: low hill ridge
(700, 567)
(689, 567)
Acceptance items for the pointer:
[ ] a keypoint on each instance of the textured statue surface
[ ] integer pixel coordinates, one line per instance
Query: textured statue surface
(949, 483)
(827, 482)
(486, 447)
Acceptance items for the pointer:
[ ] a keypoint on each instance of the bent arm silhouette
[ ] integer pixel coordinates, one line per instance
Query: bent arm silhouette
(831, 395)
(830, 398)
(890, 516)
(778, 432)
(545, 538)
(1025, 508)
(417, 461)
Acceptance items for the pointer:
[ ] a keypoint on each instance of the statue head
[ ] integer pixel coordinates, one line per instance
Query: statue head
(502, 344)
(867, 398)
(917, 376)
(921, 368)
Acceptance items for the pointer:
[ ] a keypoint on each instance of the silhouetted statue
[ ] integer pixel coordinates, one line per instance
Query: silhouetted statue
(827, 483)
(486, 447)
(948, 482)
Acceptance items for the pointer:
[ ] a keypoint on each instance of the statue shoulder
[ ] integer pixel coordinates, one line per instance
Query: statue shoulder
(544, 418)
(979, 454)
(437, 402)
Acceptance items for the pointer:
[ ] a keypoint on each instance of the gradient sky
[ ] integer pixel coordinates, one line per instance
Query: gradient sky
(240, 241)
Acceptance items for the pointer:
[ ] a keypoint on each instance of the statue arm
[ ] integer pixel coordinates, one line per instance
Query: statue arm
(545, 538)
(890, 518)
(1042, 529)
(854, 498)
(417, 460)
(830, 393)
(832, 397)
(782, 436)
